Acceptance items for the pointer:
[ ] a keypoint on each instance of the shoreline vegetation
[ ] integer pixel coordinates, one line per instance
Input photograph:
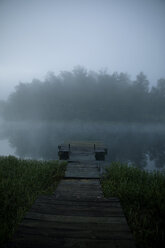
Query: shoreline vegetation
(21, 182)
(142, 196)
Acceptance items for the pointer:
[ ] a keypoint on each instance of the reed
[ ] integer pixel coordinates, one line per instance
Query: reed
(21, 182)
(142, 195)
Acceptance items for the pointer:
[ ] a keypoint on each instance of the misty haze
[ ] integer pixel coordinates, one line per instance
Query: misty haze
(128, 116)
(118, 97)
(82, 123)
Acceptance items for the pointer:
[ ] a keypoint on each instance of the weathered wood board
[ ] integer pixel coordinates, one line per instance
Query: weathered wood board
(76, 215)
(73, 172)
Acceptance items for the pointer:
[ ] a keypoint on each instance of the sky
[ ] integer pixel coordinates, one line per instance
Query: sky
(39, 36)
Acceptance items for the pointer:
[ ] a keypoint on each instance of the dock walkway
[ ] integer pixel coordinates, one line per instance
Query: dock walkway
(77, 214)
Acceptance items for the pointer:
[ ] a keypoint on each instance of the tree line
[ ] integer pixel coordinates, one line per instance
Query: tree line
(87, 96)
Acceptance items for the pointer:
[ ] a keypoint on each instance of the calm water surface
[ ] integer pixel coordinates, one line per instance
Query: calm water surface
(137, 144)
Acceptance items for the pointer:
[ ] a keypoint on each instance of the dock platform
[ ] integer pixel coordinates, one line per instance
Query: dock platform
(77, 214)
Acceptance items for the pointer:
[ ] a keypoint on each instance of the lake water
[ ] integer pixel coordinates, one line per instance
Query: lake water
(137, 144)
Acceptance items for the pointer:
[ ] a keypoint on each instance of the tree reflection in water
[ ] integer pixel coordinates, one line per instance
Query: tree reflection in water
(131, 143)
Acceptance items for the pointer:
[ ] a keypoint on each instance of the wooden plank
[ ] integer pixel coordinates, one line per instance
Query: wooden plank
(73, 176)
(76, 165)
(83, 189)
(36, 241)
(78, 197)
(82, 171)
(85, 158)
(78, 193)
(79, 203)
(76, 210)
(78, 184)
(76, 234)
(102, 201)
(75, 226)
(80, 181)
(74, 219)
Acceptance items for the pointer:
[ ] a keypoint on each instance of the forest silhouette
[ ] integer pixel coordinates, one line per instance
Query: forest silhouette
(88, 96)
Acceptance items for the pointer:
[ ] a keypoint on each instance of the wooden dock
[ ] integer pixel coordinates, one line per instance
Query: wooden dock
(77, 214)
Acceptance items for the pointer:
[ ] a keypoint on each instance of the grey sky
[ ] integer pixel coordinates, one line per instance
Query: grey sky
(38, 36)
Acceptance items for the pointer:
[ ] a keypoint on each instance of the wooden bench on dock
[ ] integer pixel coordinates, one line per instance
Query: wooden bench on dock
(64, 150)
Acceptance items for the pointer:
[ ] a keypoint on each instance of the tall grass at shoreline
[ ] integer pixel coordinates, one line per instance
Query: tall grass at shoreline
(142, 195)
(21, 181)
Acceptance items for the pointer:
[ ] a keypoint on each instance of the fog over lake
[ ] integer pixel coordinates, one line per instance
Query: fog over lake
(83, 70)
(137, 144)
(126, 115)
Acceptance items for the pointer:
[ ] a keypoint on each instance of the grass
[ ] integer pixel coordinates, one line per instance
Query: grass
(21, 181)
(142, 195)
